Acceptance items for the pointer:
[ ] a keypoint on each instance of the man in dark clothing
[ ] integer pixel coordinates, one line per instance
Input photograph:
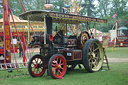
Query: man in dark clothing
(1, 45)
(20, 50)
(1, 54)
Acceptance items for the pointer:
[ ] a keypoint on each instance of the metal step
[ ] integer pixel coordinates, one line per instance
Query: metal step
(10, 66)
(105, 61)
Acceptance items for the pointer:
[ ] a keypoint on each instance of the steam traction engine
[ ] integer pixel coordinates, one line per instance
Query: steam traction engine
(62, 52)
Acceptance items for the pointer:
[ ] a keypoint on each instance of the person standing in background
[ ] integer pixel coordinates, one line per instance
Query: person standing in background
(20, 50)
(1, 45)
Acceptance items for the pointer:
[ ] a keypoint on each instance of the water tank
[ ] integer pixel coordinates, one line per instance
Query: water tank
(123, 30)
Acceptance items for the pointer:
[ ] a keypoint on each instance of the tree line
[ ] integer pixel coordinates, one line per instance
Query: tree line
(104, 9)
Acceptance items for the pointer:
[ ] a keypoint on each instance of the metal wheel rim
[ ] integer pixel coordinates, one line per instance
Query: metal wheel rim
(58, 66)
(37, 66)
(95, 56)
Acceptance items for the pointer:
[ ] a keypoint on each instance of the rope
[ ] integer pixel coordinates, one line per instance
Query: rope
(22, 5)
(18, 34)
(29, 22)
(7, 10)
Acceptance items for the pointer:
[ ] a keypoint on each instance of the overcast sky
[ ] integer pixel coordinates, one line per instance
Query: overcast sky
(96, 2)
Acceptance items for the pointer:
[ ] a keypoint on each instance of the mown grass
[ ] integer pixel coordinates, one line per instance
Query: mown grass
(117, 75)
(117, 52)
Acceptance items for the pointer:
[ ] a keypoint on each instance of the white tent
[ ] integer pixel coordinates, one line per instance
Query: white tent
(94, 31)
(16, 19)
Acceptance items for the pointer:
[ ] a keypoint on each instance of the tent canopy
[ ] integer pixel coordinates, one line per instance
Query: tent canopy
(94, 30)
(16, 19)
(123, 28)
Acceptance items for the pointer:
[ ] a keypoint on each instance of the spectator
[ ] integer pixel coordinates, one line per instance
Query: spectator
(1, 45)
(20, 50)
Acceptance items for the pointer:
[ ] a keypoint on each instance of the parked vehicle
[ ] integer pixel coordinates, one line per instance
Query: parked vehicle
(62, 51)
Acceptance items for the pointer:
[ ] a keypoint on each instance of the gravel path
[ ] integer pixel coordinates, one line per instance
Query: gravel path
(109, 60)
(117, 59)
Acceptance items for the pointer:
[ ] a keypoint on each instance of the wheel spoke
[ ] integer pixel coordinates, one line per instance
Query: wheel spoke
(37, 71)
(96, 58)
(89, 53)
(53, 65)
(34, 69)
(33, 63)
(96, 54)
(90, 63)
(57, 61)
(60, 62)
(54, 70)
(97, 62)
(59, 71)
(89, 59)
(37, 60)
(90, 49)
(40, 62)
(94, 64)
(96, 49)
(91, 46)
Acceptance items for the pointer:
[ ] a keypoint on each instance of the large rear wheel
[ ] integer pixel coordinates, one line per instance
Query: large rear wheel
(57, 66)
(36, 66)
(92, 55)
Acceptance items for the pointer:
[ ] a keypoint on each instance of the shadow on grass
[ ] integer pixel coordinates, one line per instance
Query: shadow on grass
(77, 71)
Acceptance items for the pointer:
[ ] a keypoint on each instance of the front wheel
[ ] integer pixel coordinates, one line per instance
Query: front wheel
(57, 66)
(36, 66)
(92, 55)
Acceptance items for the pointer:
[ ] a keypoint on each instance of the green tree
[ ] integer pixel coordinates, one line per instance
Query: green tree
(103, 8)
(118, 7)
(57, 5)
(89, 7)
(106, 9)
(17, 9)
(1, 12)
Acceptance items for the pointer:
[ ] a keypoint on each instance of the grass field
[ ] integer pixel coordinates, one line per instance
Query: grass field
(117, 52)
(118, 75)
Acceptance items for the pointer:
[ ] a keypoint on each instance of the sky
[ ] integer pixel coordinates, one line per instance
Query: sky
(96, 2)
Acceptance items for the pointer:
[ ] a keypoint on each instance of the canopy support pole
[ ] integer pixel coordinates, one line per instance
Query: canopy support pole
(28, 31)
(45, 30)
